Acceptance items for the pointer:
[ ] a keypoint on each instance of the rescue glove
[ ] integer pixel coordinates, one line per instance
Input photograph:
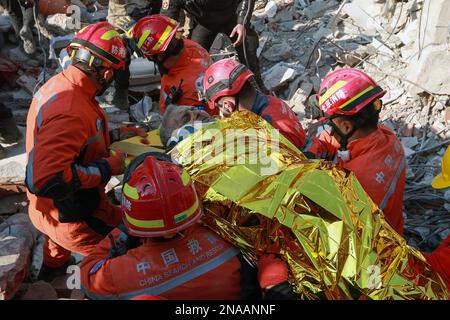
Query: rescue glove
(117, 163)
(271, 271)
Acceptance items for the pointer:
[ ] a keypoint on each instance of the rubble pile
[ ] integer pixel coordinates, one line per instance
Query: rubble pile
(402, 44)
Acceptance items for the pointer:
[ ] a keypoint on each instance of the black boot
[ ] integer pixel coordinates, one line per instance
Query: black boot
(9, 133)
(26, 34)
(120, 97)
(48, 274)
(3, 152)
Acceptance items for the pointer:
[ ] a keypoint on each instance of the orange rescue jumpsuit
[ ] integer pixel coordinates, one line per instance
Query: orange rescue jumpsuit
(198, 266)
(281, 117)
(67, 141)
(379, 163)
(192, 63)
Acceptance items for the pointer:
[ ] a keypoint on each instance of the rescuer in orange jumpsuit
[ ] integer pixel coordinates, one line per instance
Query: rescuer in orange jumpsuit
(227, 86)
(67, 148)
(350, 101)
(162, 249)
(181, 62)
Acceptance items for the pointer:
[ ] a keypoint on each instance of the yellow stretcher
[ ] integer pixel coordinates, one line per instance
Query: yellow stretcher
(138, 145)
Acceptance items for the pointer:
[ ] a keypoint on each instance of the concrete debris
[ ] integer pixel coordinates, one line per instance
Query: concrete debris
(382, 48)
(271, 9)
(28, 83)
(278, 52)
(300, 97)
(318, 8)
(17, 236)
(436, 18)
(12, 172)
(60, 24)
(278, 75)
(429, 72)
(361, 18)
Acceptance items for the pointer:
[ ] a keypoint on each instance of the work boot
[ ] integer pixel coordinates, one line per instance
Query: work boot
(120, 100)
(3, 152)
(26, 34)
(9, 133)
(48, 274)
(121, 85)
(29, 45)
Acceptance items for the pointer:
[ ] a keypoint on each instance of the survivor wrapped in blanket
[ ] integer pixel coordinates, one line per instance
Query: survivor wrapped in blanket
(263, 195)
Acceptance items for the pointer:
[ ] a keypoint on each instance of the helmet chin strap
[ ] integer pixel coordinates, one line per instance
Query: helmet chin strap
(236, 102)
(343, 152)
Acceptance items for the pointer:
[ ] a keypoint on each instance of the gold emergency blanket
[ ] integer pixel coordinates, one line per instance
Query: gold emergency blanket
(317, 217)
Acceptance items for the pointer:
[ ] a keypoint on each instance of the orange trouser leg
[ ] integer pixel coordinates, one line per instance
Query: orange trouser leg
(64, 238)
(55, 256)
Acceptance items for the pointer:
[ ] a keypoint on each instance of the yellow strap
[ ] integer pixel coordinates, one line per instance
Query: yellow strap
(109, 35)
(189, 212)
(163, 38)
(148, 224)
(338, 85)
(185, 178)
(356, 97)
(144, 37)
(83, 29)
(130, 192)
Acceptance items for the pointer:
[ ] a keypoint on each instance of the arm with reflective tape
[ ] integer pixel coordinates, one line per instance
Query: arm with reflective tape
(244, 7)
(51, 170)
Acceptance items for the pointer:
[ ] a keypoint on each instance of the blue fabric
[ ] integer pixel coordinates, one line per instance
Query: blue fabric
(260, 104)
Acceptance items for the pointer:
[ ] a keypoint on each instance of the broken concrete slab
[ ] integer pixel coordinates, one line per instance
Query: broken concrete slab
(382, 48)
(361, 18)
(429, 71)
(318, 8)
(12, 172)
(28, 83)
(436, 29)
(271, 9)
(262, 43)
(17, 236)
(300, 97)
(278, 52)
(409, 142)
(278, 75)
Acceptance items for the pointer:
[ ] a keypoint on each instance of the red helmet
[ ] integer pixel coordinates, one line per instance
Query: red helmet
(153, 34)
(158, 198)
(99, 44)
(224, 78)
(347, 91)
